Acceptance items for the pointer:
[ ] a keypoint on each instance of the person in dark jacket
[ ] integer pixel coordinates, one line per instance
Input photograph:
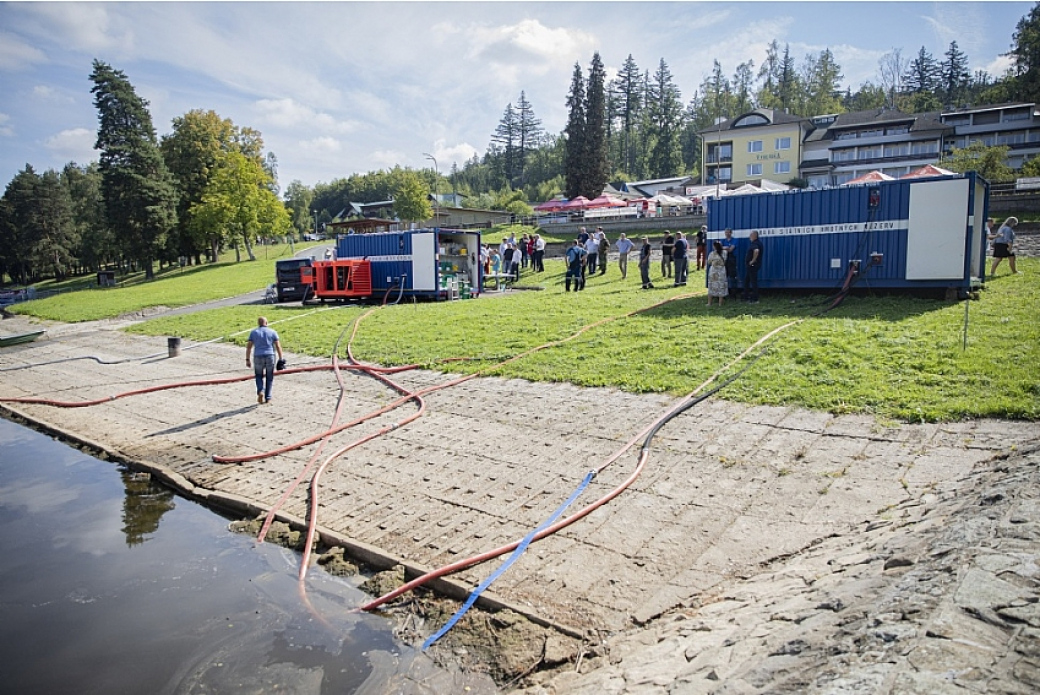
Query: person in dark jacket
(667, 246)
(729, 247)
(753, 263)
(644, 264)
(681, 258)
(702, 242)
(576, 266)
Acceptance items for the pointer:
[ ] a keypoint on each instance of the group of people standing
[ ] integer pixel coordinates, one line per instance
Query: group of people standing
(587, 254)
(513, 254)
(721, 263)
(722, 267)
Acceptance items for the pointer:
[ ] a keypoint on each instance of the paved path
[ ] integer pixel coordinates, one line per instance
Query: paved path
(728, 490)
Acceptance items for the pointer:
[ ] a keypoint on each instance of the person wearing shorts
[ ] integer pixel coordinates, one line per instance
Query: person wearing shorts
(1004, 245)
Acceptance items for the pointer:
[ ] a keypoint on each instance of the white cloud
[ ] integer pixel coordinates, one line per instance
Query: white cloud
(86, 27)
(968, 24)
(288, 113)
(526, 41)
(997, 67)
(510, 54)
(16, 53)
(75, 144)
(386, 159)
(322, 145)
(857, 64)
(46, 93)
(5, 128)
(458, 153)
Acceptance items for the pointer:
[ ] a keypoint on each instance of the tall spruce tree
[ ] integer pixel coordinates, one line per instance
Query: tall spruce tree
(597, 169)
(139, 191)
(742, 82)
(789, 86)
(954, 76)
(769, 74)
(664, 123)
(630, 92)
(506, 145)
(821, 78)
(530, 134)
(922, 75)
(922, 81)
(574, 168)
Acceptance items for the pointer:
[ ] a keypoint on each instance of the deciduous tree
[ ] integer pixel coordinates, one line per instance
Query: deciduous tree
(411, 198)
(989, 162)
(237, 205)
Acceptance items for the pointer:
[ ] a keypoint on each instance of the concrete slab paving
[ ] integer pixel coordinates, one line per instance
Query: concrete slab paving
(729, 489)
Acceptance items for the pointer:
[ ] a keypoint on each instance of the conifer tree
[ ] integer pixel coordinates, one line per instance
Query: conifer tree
(923, 73)
(596, 164)
(139, 192)
(664, 124)
(1025, 52)
(574, 174)
(630, 94)
(954, 76)
(505, 144)
(788, 87)
(531, 135)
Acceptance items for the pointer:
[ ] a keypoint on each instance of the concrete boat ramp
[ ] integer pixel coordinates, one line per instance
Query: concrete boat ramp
(729, 490)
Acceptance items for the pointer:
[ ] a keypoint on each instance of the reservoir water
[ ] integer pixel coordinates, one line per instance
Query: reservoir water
(109, 583)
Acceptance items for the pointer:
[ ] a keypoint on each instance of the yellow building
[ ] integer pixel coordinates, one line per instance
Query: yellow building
(760, 144)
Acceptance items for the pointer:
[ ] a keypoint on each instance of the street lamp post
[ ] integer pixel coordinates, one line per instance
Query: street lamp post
(436, 170)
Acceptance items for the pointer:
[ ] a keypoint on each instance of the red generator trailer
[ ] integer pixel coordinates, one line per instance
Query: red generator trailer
(347, 278)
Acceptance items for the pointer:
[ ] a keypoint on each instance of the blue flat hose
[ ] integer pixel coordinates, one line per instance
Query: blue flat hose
(509, 561)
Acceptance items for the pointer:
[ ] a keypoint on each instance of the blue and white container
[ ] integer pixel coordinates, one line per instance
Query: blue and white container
(921, 233)
(434, 263)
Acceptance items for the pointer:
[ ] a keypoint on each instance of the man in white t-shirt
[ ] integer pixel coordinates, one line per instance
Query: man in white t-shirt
(592, 249)
(539, 253)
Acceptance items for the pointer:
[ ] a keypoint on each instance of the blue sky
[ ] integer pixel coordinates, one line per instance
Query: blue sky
(344, 87)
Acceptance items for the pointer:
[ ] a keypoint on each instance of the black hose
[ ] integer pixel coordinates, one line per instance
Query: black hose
(683, 407)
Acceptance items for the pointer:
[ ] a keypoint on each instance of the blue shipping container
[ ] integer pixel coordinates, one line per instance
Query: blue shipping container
(911, 233)
(436, 263)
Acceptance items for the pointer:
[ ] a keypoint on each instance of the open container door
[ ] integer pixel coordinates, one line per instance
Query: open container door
(424, 261)
(939, 226)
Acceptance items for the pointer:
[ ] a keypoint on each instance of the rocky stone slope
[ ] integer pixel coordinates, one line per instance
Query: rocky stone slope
(942, 596)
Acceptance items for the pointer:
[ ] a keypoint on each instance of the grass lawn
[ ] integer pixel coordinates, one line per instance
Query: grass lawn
(79, 299)
(895, 357)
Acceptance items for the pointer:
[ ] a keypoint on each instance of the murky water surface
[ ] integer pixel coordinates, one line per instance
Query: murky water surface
(110, 583)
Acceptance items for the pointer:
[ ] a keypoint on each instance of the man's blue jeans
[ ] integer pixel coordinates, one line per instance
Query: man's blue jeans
(263, 369)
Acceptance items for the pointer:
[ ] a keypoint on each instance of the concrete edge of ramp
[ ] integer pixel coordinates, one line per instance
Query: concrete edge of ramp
(366, 553)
